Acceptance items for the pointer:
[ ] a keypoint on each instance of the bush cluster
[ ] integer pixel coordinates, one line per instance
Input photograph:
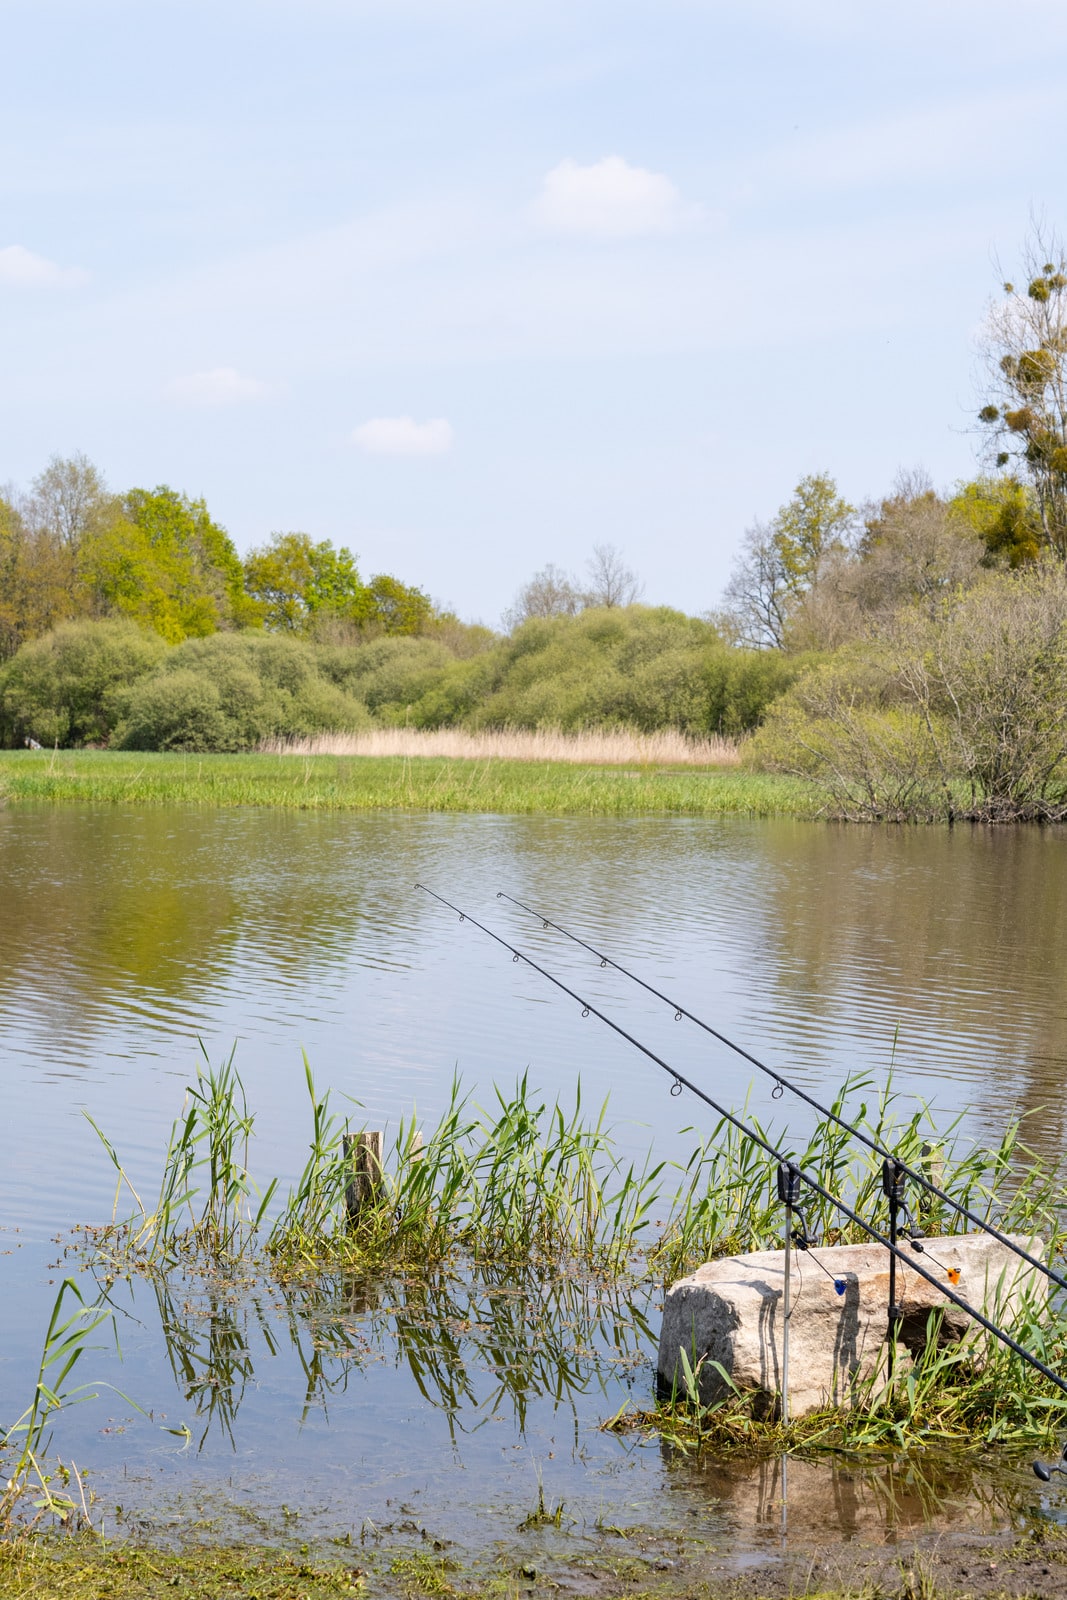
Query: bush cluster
(635, 666)
(954, 711)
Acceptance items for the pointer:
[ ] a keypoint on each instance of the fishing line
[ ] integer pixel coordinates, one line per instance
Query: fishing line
(896, 1253)
(781, 1083)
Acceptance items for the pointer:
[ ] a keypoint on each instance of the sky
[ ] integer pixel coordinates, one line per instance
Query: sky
(473, 285)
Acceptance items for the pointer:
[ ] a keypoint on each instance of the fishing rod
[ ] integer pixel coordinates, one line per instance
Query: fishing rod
(680, 1082)
(782, 1083)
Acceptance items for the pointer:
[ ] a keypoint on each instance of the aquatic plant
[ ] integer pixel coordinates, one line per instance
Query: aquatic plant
(729, 1203)
(527, 1180)
(24, 1443)
(210, 1140)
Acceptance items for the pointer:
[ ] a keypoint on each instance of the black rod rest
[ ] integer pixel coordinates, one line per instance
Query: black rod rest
(781, 1082)
(1045, 1472)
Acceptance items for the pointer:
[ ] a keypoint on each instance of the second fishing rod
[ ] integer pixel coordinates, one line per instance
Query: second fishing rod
(783, 1161)
(782, 1082)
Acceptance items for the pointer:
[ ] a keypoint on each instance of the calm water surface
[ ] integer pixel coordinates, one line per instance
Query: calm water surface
(126, 937)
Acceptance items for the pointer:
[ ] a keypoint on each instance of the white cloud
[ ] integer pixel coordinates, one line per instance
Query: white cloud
(403, 436)
(221, 386)
(610, 199)
(21, 269)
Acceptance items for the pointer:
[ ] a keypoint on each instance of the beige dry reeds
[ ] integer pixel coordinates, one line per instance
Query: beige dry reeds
(608, 747)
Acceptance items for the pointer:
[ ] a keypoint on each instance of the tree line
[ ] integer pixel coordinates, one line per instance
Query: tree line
(71, 549)
(909, 654)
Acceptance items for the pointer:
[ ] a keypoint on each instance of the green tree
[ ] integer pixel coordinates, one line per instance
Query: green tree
(69, 686)
(1004, 514)
(398, 607)
(815, 521)
(292, 581)
(780, 560)
(956, 711)
(41, 537)
(160, 560)
(1025, 411)
(37, 588)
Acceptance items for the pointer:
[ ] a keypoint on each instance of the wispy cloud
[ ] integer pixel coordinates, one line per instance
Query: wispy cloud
(220, 386)
(403, 436)
(609, 199)
(21, 269)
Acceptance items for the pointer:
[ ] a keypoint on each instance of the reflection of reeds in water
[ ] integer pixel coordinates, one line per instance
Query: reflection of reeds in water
(535, 1338)
(591, 746)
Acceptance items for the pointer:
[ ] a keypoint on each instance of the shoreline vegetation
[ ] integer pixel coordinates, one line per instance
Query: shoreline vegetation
(492, 1197)
(575, 784)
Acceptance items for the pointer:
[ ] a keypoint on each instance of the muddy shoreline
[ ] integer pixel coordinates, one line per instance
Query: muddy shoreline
(613, 1562)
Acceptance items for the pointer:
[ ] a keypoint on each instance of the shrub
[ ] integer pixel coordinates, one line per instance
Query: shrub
(179, 710)
(231, 691)
(961, 712)
(68, 687)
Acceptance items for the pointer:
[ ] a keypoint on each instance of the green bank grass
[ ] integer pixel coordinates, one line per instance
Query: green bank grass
(86, 1569)
(354, 783)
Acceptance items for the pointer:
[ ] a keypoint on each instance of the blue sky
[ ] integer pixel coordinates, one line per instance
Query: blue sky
(471, 285)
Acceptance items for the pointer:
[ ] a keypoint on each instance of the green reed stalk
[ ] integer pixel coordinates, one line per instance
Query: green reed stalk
(65, 1342)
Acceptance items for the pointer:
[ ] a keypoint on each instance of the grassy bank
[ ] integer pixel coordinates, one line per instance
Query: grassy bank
(349, 783)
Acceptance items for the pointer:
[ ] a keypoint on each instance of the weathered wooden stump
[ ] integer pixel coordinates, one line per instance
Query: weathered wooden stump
(363, 1156)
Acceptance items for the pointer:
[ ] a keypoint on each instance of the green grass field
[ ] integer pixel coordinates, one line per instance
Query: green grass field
(353, 783)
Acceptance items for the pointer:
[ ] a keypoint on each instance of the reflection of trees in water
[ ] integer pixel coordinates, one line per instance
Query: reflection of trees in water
(952, 932)
(159, 907)
(474, 1346)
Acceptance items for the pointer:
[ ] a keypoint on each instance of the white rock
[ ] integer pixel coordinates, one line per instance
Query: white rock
(730, 1312)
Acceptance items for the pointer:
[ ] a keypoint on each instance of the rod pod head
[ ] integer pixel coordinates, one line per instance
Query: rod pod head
(789, 1183)
(894, 1178)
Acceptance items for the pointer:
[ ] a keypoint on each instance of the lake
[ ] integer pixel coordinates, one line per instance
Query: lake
(127, 937)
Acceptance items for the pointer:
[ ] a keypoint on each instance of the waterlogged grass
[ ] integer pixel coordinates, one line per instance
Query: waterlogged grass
(425, 783)
(85, 1569)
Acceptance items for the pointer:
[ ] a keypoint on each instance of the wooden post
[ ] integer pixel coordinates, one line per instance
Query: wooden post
(363, 1155)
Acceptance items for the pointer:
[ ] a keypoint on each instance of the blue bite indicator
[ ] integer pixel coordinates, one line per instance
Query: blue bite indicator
(839, 1285)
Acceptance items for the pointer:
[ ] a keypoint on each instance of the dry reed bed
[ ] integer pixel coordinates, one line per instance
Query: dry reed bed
(606, 747)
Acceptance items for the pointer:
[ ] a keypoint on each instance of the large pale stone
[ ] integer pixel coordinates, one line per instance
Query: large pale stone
(730, 1312)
